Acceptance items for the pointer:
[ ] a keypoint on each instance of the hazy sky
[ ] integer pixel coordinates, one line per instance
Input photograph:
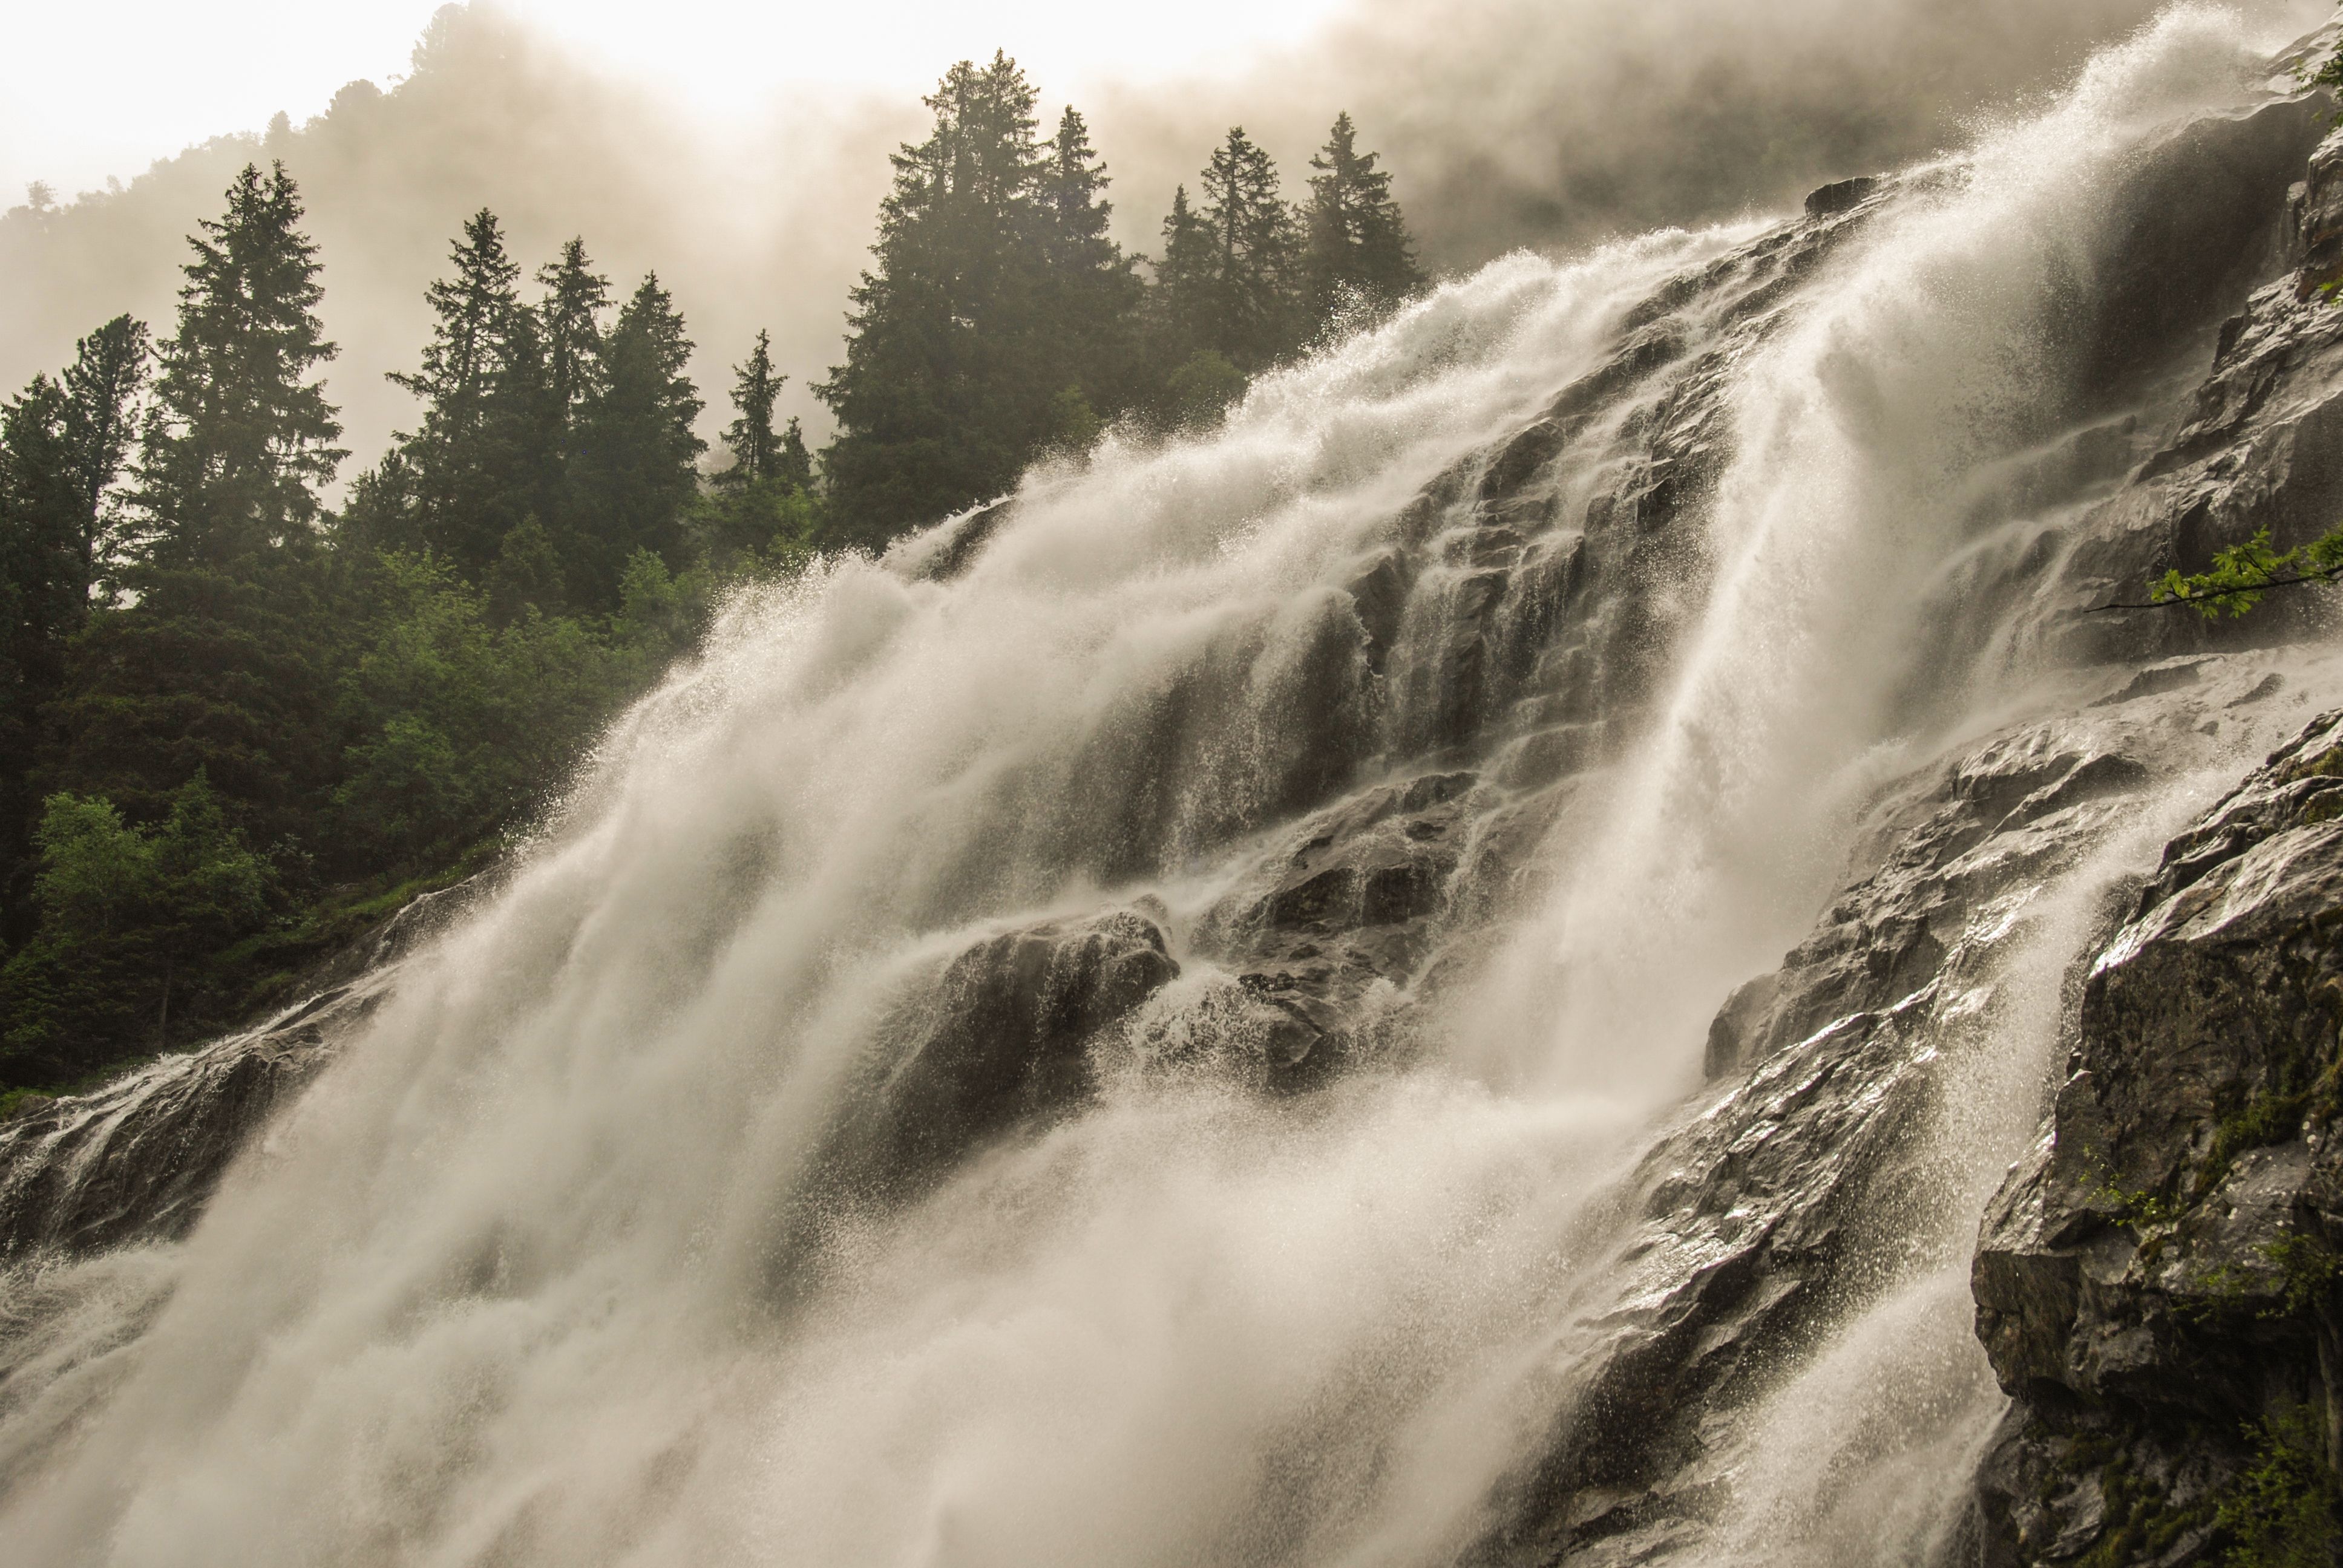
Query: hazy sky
(104, 87)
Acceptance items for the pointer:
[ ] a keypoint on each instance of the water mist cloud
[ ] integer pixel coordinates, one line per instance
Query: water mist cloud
(1557, 122)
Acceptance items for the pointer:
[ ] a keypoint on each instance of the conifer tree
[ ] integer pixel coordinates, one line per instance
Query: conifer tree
(62, 449)
(239, 437)
(1092, 290)
(43, 598)
(794, 464)
(42, 525)
(1183, 295)
(576, 295)
(634, 467)
(102, 387)
(217, 665)
(948, 382)
(568, 321)
(1357, 247)
(756, 448)
(1251, 302)
(63, 446)
(471, 463)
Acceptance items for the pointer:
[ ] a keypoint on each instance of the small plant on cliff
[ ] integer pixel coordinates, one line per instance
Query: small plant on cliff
(2283, 1512)
(2308, 1268)
(2243, 573)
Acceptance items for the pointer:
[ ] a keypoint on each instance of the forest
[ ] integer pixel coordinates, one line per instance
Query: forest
(239, 725)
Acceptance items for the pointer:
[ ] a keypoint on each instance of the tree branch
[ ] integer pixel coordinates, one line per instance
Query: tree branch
(2221, 595)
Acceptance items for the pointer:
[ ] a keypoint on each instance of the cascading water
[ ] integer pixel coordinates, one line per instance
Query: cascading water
(577, 1254)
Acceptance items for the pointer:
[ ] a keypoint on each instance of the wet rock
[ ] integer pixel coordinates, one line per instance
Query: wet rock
(1791, 1191)
(2170, 675)
(136, 1159)
(2015, 806)
(1750, 1220)
(948, 550)
(1379, 595)
(1843, 197)
(2319, 215)
(2161, 1275)
(1000, 1040)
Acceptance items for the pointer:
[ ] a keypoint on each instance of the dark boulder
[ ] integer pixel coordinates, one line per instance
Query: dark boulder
(1844, 195)
(1000, 1040)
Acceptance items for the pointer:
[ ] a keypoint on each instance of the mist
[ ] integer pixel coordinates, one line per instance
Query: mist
(1506, 122)
(1547, 122)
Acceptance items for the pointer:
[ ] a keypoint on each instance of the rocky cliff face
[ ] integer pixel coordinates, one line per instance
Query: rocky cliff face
(2157, 1285)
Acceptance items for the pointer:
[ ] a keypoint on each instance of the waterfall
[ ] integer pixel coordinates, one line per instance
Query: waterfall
(1651, 569)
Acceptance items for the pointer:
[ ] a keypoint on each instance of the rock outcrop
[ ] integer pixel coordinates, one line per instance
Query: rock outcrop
(1000, 1040)
(2157, 1285)
(1806, 1179)
(135, 1159)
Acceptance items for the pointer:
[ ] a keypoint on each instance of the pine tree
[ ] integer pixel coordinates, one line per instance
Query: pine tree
(470, 465)
(239, 438)
(1185, 295)
(633, 471)
(1092, 290)
(794, 464)
(576, 295)
(757, 451)
(61, 449)
(1358, 251)
(948, 375)
(1252, 307)
(102, 388)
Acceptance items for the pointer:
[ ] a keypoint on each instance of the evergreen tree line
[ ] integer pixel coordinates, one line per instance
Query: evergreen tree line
(1001, 321)
(237, 724)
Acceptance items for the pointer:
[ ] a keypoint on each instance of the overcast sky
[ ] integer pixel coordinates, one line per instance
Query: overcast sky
(104, 87)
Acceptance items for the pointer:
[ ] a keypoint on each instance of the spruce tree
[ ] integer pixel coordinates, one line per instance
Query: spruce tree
(949, 369)
(62, 449)
(470, 464)
(102, 388)
(215, 664)
(571, 318)
(1253, 302)
(634, 467)
(756, 448)
(239, 438)
(1358, 251)
(43, 598)
(1182, 301)
(794, 464)
(1092, 290)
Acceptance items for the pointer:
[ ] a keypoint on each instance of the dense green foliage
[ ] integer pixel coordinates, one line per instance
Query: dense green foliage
(236, 724)
(2286, 1510)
